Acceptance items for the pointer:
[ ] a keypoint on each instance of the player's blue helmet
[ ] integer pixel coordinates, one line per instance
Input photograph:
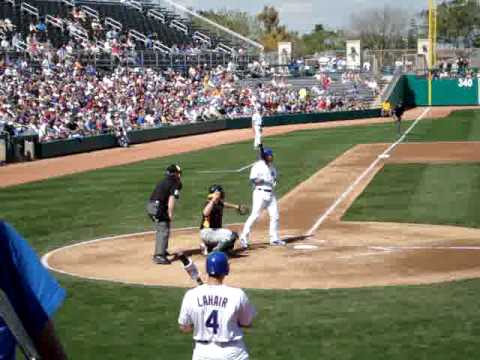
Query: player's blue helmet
(267, 152)
(217, 264)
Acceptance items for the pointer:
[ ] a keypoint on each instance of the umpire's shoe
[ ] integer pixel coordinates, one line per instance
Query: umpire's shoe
(161, 260)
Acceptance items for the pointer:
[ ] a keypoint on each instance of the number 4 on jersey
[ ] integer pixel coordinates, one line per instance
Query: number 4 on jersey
(212, 321)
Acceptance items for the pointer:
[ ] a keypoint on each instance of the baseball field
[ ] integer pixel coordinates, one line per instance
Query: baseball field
(389, 272)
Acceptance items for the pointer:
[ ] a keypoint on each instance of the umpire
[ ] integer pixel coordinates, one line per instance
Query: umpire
(160, 209)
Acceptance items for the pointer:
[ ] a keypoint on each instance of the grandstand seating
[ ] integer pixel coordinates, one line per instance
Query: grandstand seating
(139, 20)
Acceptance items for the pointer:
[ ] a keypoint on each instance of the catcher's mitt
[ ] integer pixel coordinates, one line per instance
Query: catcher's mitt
(242, 209)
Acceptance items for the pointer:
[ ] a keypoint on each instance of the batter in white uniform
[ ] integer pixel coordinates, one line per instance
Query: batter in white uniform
(215, 313)
(263, 176)
(257, 123)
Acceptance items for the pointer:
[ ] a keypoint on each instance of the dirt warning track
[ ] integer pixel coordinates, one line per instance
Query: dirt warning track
(44, 169)
(340, 254)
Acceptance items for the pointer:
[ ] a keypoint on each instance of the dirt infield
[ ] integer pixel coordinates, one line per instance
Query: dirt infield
(44, 169)
(340, 254)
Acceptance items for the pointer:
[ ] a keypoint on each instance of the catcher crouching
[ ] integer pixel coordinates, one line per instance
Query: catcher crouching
(213, 236)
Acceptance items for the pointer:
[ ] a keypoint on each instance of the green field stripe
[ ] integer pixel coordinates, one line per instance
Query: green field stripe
(474, 129)
(393, 181)
(419, 193)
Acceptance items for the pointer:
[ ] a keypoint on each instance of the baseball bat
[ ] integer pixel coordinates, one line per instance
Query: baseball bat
(191, 269)
(10, 317)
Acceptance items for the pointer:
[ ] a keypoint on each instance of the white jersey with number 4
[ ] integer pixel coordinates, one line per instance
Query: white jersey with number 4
(215, 311)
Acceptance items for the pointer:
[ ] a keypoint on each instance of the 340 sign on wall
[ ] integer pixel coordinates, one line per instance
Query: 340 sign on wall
(468, 83)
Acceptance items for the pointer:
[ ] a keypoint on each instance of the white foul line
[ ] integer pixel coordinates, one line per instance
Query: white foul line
(226, 171)
(347, 192)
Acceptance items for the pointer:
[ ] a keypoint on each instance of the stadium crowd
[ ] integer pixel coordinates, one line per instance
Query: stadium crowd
(65, 99)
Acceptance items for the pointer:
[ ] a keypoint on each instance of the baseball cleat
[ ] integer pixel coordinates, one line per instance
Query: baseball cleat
(161, 260)
(278, 243)
(244, 243)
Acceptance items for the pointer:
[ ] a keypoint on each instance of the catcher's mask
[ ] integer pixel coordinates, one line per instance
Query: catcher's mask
(213, 189)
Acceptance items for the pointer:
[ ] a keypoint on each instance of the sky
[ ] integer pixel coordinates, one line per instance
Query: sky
(302, 15)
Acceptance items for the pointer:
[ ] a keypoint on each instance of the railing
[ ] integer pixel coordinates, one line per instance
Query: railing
(179, 26)
(134, 4)
(149, 58)
(117, 25)
(387, 92)
(77, 31)
(101, 45)
(69, 2)
(156, 15)
(197, 35)
(191, 12)
(32, 10)
(159, 46)
(224, 48)
(138, 36)
(91, 12)
(21, 46)
(49, 19)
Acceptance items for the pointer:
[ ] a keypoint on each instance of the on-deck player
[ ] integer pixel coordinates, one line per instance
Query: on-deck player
(257, 123)
(215, 313)
(263, 176)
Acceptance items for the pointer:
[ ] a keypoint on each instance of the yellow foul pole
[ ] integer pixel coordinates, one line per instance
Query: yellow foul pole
(432, 44)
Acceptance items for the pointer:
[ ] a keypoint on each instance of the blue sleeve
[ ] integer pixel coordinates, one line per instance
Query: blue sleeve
(33, 292)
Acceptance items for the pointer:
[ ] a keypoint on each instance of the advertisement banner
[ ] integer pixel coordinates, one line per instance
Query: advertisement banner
(354, 55)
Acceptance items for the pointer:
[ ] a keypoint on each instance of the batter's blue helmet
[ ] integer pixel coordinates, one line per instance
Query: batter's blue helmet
(267, 152)
(217, 264)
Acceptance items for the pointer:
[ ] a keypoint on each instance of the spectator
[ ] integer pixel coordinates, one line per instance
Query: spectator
(46, 102)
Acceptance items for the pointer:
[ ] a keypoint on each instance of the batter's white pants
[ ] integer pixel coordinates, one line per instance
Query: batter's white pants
(258, 136)
(234, 350)
(263, 200)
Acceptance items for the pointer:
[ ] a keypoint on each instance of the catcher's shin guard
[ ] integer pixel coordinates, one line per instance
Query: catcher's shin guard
(227, 244)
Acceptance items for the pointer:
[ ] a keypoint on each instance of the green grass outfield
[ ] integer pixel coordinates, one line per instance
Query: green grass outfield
(422, 193)
(101, 320)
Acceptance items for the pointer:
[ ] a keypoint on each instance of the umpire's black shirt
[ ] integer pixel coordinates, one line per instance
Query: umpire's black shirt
(171, 185)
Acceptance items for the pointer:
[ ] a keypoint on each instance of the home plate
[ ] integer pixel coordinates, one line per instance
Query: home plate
(305, 247)
(383, 156)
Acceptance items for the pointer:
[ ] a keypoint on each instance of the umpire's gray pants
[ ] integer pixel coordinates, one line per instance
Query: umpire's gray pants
(162, 235)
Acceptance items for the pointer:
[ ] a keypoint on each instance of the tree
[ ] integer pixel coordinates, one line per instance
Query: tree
(321, 39)
(273, 32)
(380, 28)
(270, 19)
(412, 34)
(457, 21)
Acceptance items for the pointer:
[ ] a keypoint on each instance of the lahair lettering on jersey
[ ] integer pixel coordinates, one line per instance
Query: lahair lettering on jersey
(212, 300)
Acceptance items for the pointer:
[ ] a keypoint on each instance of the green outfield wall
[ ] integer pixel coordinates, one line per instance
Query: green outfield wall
(74, 146)
(412, 90)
